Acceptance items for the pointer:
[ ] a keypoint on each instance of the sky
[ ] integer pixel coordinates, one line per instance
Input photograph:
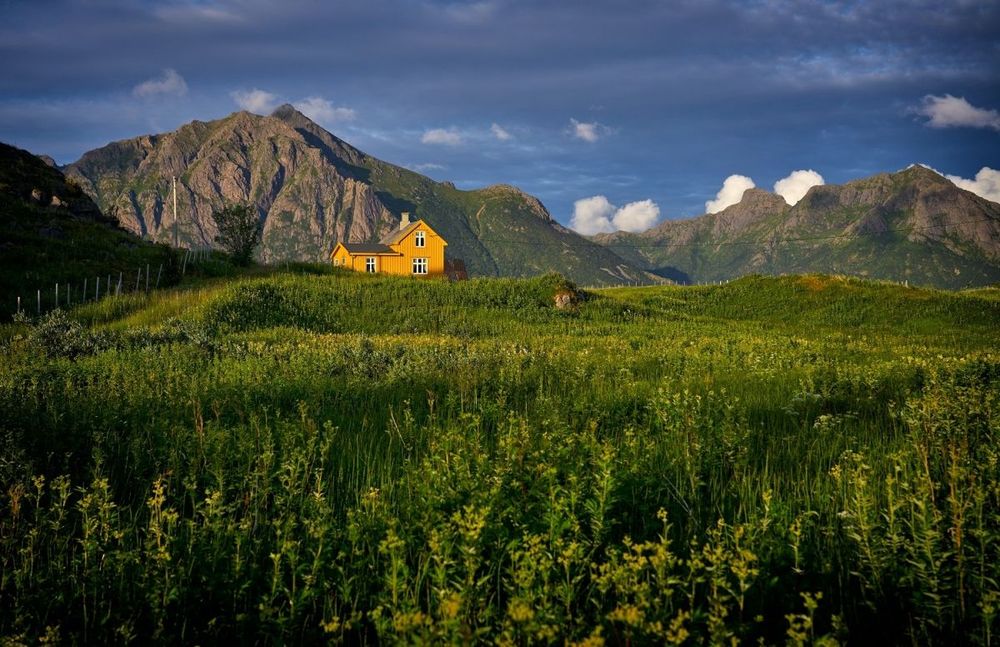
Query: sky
(616, 114)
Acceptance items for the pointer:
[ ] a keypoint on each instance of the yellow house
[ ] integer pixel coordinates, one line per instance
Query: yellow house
(412, 250)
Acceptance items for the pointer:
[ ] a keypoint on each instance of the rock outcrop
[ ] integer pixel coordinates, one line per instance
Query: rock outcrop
(914, 225)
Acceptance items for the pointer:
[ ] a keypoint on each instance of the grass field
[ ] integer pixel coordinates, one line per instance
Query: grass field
(307, 455)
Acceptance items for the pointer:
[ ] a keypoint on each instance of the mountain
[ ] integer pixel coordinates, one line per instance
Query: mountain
(913, 225)
(313, 190)
(52, 232)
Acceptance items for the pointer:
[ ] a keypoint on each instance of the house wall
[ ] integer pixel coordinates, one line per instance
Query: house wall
(346, 260)
(433, 251)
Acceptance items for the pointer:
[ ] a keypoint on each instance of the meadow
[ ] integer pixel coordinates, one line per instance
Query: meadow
(307, 455)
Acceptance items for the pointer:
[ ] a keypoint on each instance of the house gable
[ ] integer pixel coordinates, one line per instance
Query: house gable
(397, 253)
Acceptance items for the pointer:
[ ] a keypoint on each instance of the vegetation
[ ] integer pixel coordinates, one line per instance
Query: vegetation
(313, 455)
(51, 232)
(239, 230)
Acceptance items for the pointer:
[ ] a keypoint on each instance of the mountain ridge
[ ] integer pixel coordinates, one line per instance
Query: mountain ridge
(913, 224)
(313, 189)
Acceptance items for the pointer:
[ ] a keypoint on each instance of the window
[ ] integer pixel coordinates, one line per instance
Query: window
(420, 266)
(370, 264)
(419, 239)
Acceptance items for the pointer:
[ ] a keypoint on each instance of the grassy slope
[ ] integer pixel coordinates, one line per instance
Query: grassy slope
(471, 461)
(44, 245)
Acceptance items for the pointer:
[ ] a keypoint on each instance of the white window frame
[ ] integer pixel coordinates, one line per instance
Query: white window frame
(371, 266)
(420, 239)
(420, 266)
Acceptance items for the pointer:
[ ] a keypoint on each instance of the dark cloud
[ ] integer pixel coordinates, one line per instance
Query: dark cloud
(687, 93)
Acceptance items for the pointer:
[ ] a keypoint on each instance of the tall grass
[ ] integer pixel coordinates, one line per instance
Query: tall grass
(303, 457)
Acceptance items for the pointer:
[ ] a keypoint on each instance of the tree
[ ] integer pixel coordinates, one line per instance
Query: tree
(239, 231)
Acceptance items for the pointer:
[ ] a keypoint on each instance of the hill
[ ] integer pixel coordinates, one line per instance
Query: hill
(52, 232)
(263, 457)
(313, 190)
(913, 225)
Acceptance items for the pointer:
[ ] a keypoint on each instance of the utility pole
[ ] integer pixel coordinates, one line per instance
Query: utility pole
(176, 243)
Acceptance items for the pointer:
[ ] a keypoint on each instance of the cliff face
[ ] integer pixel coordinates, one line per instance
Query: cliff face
(313, 190)
(912, 225)
(305, 202)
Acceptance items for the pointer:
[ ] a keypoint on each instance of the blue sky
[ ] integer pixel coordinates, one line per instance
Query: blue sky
(651, 105)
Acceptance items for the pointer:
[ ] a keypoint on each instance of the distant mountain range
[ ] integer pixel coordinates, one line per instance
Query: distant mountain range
(313, 190)
(913, 225)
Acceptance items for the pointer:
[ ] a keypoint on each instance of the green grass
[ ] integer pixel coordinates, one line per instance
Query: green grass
(307, 454)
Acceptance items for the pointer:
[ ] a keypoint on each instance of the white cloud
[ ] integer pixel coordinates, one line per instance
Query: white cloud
(730, 193)
(429, 166)
(986, 183)
(636, 216)
(954, 112)
(257, 101)
(442, 136)
(470, 12)
(794, 187)
(321, 110)
(592, 215)
(500, 132)
(596, 215)
(195, 14)
(170, 84)
(588, 132)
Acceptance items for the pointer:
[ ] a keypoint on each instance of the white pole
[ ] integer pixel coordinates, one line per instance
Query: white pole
(175, 212)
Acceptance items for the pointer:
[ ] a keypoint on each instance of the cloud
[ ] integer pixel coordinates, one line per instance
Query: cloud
(956, 112)
(636, 216)
(442, 136)
(429, 166)
(170, 84)
(588, 132)
(470, 12)
(730, 193)
(986, 183)
(195, 14)
(321, 110)
(257, 101)
(596, 215)
(500, 132)
(592, 215)
(794, 187)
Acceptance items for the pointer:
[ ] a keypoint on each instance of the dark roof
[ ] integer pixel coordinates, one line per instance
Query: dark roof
(397, 235)
(367, 248)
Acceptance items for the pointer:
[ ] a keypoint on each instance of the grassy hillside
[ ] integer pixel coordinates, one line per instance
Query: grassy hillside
(316, 455)
(913, 225)
(51, 232)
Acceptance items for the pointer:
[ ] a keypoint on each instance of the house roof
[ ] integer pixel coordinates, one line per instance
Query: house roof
(397, 235)
(368, 248)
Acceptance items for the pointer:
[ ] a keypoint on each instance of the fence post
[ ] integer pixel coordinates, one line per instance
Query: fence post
(160, 271)
(97, 289)
(39, 301)
(118, 290)
(69, 294)
(138, 275)
(85, 288)
(18, 305)
(57, 295)
(147, 278)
